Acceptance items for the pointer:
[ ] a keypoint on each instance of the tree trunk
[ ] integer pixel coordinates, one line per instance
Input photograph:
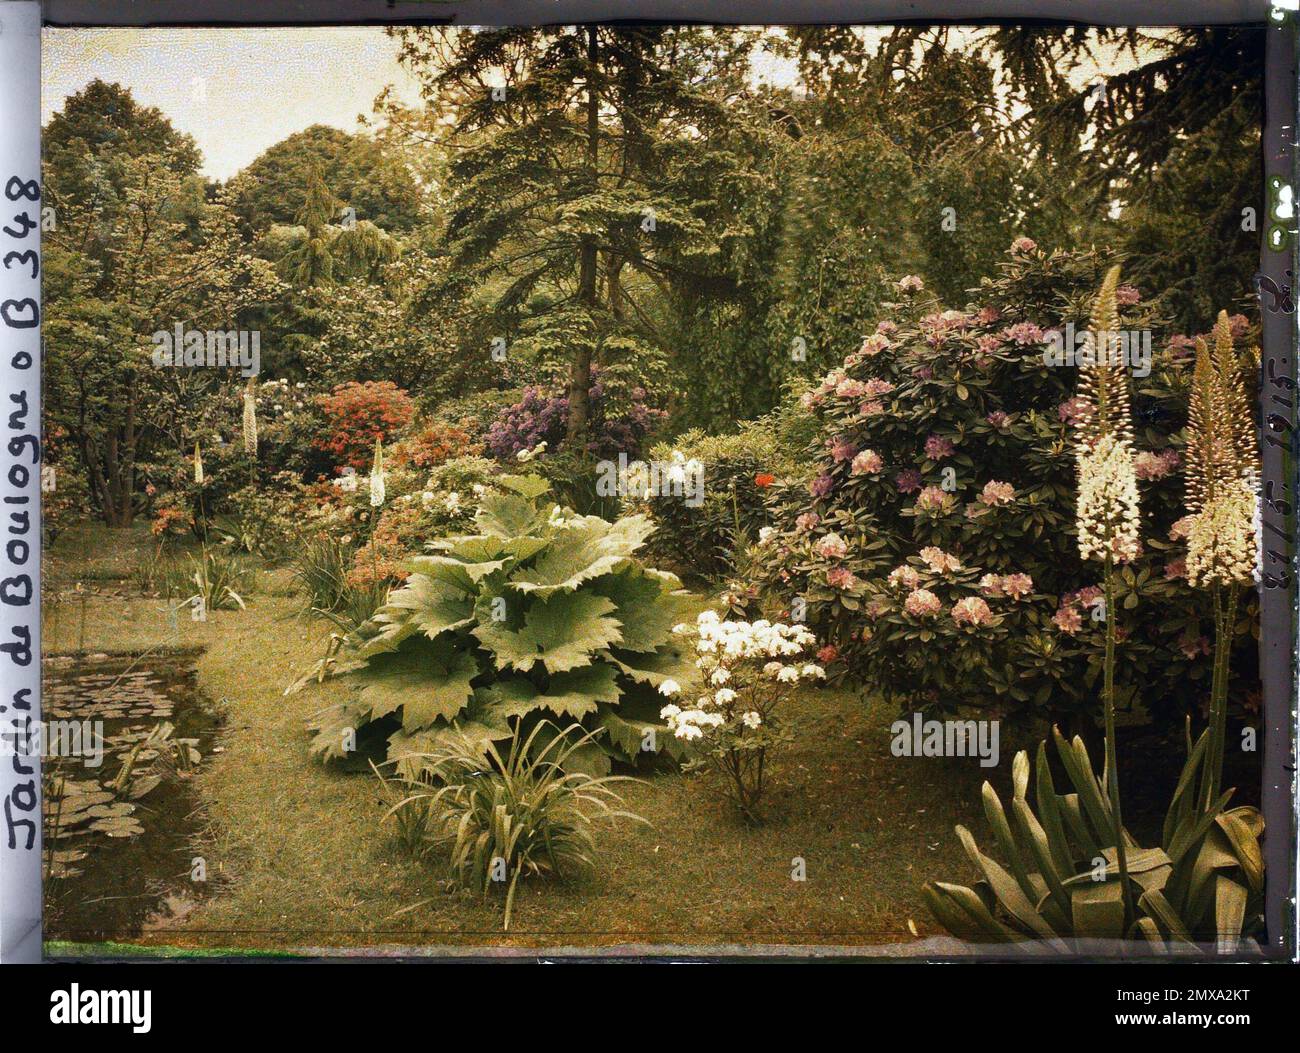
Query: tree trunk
(614, 281)
(105, 475)
(116, 472)
(580, 373)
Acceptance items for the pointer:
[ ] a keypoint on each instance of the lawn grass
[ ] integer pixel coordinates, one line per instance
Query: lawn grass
(67, 950)
(89, 552)
(299, 859)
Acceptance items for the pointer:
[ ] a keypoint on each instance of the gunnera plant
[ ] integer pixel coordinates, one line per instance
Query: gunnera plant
(541, 613)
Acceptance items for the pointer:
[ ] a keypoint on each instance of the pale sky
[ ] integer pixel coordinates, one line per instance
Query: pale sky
(236, 91)
(240, 91)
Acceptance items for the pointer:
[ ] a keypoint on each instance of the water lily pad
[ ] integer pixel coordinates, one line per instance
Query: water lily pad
(119, 826)
(143, 785)
(109, 811)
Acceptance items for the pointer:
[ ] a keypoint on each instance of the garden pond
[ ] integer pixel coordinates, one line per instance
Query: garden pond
(122, 814)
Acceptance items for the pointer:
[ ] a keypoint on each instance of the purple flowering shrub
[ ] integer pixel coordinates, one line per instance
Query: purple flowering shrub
(934, 547)
(539, 416)
(542, 416)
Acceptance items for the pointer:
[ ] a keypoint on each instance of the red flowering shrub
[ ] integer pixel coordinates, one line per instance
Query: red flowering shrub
(397, 534)
(171, 520)
(358, 415)
(433, 443)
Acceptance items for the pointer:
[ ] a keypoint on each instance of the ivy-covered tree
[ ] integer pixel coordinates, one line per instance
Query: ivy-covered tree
(963, 186)
(1166, 144)
(867, 165)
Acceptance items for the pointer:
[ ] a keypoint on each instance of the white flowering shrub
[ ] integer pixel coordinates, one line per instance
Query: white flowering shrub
(737, 469)
(748, 671)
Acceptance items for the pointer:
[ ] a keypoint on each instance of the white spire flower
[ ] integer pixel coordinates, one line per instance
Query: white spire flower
(1107, 504)
(377, 493)
(250, 418)
(1222, 547)
(1222, 476)
(1107, 515)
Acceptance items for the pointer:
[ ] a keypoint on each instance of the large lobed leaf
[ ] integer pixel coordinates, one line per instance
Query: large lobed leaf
(431, 607)
(584, 549)
(574, 694)
(538, 616)
(647, 606)
(426, 684)
(560, 633)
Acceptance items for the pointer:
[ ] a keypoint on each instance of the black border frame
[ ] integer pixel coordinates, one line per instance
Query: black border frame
(556, 12)
(1278, 268)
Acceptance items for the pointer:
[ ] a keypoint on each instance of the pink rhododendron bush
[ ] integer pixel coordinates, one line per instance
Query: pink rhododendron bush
(934, 549)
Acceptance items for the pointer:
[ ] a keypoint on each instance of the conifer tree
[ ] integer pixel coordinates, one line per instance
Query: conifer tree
(585, 187)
